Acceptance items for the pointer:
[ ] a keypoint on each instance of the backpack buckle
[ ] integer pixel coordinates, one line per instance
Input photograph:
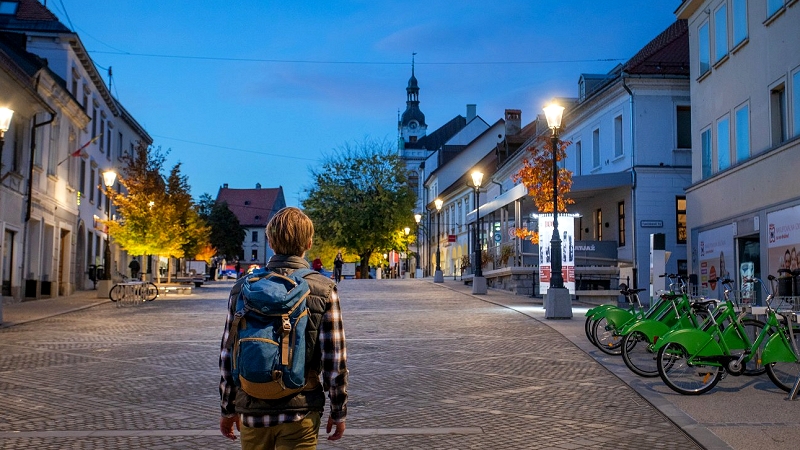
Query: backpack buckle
(287, 326)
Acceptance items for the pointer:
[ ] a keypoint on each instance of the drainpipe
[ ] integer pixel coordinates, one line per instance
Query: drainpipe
(633, 185)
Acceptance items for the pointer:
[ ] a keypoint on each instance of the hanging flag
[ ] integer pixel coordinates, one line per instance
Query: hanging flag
(80, 151)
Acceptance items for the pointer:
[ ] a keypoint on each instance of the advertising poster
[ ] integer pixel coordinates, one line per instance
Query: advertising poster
(715, 248)
(784, 239)
(566, 228)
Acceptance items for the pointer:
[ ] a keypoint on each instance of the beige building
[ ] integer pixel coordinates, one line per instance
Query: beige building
(743, 205)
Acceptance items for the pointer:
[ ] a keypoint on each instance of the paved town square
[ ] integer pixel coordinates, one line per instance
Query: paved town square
(431, 368)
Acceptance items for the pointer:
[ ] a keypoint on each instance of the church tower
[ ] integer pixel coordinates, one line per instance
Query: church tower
(411, 126)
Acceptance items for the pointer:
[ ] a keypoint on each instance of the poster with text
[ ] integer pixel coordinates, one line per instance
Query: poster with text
(783, 235)
(566, 231)
(715, 248)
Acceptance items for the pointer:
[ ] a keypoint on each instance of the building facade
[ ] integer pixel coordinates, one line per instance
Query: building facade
(82, 132)
(254, 208)
(743, 202)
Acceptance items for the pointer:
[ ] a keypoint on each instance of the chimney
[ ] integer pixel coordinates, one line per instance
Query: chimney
(471, 111)
(258, 185)
(513, 121)
(225, 186)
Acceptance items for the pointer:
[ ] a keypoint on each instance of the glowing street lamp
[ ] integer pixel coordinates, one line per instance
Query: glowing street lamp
(478, 281)
(5, 123)
(438, 276)
(558, 302)
(109, 177)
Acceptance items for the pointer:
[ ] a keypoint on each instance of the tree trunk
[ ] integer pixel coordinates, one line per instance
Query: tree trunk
(169, 269)
(365, 265)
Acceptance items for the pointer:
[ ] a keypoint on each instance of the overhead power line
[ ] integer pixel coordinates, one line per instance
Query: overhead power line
(277, 155)
(373, 63)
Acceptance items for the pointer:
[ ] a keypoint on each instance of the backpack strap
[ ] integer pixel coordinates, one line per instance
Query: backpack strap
(304, 272)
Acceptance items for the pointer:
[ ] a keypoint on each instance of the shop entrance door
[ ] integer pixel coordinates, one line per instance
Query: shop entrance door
(748, 249)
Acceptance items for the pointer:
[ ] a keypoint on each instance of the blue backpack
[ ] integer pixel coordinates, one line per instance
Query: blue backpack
(268, 334)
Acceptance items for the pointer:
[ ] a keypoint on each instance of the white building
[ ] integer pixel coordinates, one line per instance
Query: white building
(90, 133)
(744, 200)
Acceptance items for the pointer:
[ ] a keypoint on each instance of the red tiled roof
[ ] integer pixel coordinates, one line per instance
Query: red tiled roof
(668, 53)
(34, 10)
(253, 207)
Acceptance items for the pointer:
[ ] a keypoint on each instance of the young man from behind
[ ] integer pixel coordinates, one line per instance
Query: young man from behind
(292, 422)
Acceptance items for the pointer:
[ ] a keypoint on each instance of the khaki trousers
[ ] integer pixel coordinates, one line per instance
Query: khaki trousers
(300, 435)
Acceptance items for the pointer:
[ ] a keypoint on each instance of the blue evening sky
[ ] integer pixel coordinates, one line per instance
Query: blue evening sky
(246, 92)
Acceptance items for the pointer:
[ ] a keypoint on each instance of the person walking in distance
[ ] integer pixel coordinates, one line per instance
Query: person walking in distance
(337, 267)
(135, 268)
(291, 422)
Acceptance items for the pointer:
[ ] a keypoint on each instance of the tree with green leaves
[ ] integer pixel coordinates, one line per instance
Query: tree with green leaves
(227, 234)
(360, 199)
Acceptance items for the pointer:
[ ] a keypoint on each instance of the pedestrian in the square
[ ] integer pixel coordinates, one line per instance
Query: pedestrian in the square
(135, 268)
(337, 267)
(292, 422)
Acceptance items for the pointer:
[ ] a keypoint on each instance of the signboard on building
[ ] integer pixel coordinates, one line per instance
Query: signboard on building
(783, 237)
(566, 229)
(714, 248)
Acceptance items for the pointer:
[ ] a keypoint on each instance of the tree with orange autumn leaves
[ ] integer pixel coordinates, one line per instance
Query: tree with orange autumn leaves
(537, 176)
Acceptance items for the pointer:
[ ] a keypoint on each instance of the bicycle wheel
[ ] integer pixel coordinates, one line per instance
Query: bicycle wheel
(116, 293)
(681, 376)
(587, 328)
(606, 337)
(151, 292)
(784, 374)
(638, 355)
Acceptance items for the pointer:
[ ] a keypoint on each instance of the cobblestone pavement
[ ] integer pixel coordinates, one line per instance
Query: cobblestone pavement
(431, 368)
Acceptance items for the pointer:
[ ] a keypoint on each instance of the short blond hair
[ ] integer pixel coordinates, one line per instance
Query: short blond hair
(289, 232)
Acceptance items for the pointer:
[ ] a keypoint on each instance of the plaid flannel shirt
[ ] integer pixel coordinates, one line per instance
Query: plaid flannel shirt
(334, 369)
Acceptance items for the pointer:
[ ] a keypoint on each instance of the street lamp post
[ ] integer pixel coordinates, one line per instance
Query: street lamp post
(558, 304)
(109, 177)
(407, 231)
(478, 280)
(438, 276)
(418, 271)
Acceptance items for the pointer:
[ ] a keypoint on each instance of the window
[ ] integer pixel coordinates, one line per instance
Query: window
(680, 218)
(705, 141)
(618, 136)
(778, 114)
(739, 16)
(796, 103)
(91, 185)
(102, 127)
(94, 123)
(621, 224)
(578, 151)
(254, 254)
(773, 6)
(254, 236)
(37, 152)
(598, 225)
(82, 178)
(52, 163)
(108, 141)
(723, 143)
(703, 49)
(721, 32)
(74, 85)
(596, 148)
(119, 145)
(742, 137)
(684, 126)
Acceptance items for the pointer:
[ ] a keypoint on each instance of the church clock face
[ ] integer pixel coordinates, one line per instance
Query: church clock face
(413, 125)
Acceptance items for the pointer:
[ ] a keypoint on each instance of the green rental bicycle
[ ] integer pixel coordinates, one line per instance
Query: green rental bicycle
(693, 361)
